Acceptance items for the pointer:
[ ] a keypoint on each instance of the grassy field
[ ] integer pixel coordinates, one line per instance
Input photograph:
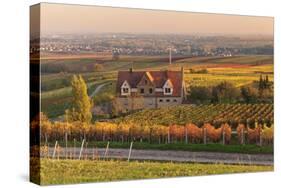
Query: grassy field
(214, 78)
(75, 171)
(157, 62)
(237, 75)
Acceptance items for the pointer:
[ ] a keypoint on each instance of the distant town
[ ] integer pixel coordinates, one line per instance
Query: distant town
(156, 45)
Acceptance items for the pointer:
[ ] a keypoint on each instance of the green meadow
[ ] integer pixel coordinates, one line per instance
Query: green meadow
(53, 171)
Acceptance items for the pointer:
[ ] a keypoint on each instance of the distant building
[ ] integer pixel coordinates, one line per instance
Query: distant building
(149, 89)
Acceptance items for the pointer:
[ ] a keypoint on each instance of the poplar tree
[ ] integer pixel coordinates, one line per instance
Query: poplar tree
(82, 104)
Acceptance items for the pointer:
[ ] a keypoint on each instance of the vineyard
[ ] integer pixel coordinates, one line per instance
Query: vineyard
(216, 114)
(189, 133)
(260, 133)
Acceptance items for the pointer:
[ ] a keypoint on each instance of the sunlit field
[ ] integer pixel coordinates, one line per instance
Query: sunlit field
(54, 171)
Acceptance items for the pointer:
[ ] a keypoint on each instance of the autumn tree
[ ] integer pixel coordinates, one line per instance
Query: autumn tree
(45, 126)
(98, 67)
(40, 128)
(200, 94)
(249, 94)
(225, 92)
(82, 104)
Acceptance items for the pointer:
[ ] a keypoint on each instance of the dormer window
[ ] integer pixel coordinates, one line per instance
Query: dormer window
(125, 89)
(168, 88)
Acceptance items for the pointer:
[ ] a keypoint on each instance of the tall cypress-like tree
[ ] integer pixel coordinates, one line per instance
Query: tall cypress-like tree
(266, 82)
(82, 104)
(261, 83)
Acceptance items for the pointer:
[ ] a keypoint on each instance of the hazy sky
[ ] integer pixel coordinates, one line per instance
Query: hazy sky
(59, 19)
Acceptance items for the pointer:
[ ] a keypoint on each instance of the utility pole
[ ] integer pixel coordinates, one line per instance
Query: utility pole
(170, 55)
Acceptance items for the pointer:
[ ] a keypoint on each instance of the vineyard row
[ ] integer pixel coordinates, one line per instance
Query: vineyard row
(216, 114)
(124, 132)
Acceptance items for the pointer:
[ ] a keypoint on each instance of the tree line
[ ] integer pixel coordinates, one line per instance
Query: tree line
(225, 92)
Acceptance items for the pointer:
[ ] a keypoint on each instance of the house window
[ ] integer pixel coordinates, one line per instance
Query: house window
(168, 100)
(167, 90)
(175, 100)
(160, 100)
(142, 90)
(125, 90)
(145, 82)
(150, 90)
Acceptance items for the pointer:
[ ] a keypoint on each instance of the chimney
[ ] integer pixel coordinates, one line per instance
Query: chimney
(166, 74)
(131, 69)
(182, 74)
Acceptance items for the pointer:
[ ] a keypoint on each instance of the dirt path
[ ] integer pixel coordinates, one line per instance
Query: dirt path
(99, 87)
(176, 156)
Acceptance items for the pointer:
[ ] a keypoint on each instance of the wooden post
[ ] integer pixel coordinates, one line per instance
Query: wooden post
(65, 153)
(55, 148)
(106, 150)
(59, 149)
(186, 138)
(223, 137)
(81, 149)
(97, 153)
(74, 148)
(243, 137)
(130, 151)
(205, 135)
(86, 156)
(260, 137)
(150, 135)
(94, 153)
(168, 136)
(46, 139)
(48, 146)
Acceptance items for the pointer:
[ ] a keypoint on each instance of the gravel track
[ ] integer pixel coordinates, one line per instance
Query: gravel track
(169, 155)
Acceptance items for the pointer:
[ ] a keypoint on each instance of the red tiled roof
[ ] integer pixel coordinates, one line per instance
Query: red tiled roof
(159, 79)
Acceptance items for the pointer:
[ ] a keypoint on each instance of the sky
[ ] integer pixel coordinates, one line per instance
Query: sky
(79, 19)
